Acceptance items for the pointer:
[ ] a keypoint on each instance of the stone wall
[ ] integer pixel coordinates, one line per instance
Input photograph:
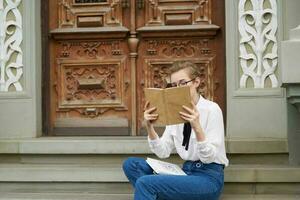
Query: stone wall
(20, 99)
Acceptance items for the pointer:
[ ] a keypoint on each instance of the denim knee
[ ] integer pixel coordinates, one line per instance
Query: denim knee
(128, 164)
(143, 183)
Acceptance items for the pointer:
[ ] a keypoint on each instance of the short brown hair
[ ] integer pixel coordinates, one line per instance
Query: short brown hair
(190, 67)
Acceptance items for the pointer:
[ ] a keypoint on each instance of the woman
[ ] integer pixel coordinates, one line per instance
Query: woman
(200, 142)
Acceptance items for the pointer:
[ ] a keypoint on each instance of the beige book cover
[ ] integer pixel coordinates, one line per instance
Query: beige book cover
(169, 103)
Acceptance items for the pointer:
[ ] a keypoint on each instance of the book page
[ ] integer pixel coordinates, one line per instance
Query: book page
(155, 97)
(161, 167)
(175, 98)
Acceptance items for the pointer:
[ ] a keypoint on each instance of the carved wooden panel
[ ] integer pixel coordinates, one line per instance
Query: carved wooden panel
(156, 74)
(157, 56)
(180, 12)
(103, 53)
(90, 88)
(178, 48)
(91, 49)
(92, 13)
(90, 81)
(88, 1)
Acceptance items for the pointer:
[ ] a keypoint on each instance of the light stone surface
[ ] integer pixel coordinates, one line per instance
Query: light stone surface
(90, 173)
(251, 113)
(124, 145)
(290, 59)
(21, 111)
(49, 196)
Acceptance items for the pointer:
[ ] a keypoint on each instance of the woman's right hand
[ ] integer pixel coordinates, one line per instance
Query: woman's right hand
(149, 116)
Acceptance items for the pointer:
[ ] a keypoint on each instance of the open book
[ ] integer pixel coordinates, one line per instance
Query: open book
(168, 102)
(161, 167)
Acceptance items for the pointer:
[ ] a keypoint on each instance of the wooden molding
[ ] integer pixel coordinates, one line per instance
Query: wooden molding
(89, 33)
(207, 30)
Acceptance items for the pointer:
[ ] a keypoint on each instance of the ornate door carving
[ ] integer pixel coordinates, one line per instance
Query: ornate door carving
(103, 53)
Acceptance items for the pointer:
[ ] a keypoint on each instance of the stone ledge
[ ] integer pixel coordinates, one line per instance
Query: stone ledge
(113, 173)
(123, 145)
(260, 197)
(63, 196)
(68, 196)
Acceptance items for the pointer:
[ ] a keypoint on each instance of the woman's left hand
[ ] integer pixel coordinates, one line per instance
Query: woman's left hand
(191, 115)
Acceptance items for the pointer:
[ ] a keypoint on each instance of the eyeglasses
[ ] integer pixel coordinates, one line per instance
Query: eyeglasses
(180, 83)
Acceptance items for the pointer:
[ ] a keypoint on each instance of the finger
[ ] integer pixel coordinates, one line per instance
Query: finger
(185, 114)
(152, 118)
(153, 115)
(146, 105)
(193, 105)
(185, 118)
(188, 109)
(150, 110)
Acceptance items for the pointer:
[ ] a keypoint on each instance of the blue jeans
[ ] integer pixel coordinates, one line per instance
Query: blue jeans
(204, 181)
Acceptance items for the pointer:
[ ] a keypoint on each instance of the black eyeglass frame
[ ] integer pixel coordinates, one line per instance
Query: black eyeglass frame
(169, 85)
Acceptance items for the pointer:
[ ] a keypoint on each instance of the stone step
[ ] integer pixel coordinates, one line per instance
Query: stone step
(260, 197)
(63, 196)
(74, 196)
(125, 187)
(124, 145)
(113, 173)
(117, 159)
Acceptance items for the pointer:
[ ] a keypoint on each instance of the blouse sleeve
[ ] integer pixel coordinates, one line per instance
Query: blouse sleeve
(214, 136)
(164, 145)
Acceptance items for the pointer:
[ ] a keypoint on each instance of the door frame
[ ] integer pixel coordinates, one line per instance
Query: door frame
(45, 68)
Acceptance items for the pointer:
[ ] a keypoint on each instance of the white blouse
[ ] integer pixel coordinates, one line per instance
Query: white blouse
(208, 151)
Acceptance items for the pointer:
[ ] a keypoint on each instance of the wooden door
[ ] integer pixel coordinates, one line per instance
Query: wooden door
(101, 54)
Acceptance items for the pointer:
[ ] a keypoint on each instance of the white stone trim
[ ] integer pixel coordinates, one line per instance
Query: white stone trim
(257, 33)
(11, 69)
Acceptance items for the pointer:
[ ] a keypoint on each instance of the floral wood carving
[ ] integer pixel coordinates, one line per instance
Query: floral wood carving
(72, 82)
(66, 14)
(89, 1)
(90, 89)
(203, 11)
(178, 48)
(91, 49)
(86, 87)
(158, 76)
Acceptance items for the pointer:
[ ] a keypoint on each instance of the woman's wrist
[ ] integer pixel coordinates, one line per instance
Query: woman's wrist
(149, 125)
(150, 130)
(199, 132)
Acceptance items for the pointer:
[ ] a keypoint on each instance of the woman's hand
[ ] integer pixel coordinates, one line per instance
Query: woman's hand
(191, 115)
(148, 114)
(150, 118)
